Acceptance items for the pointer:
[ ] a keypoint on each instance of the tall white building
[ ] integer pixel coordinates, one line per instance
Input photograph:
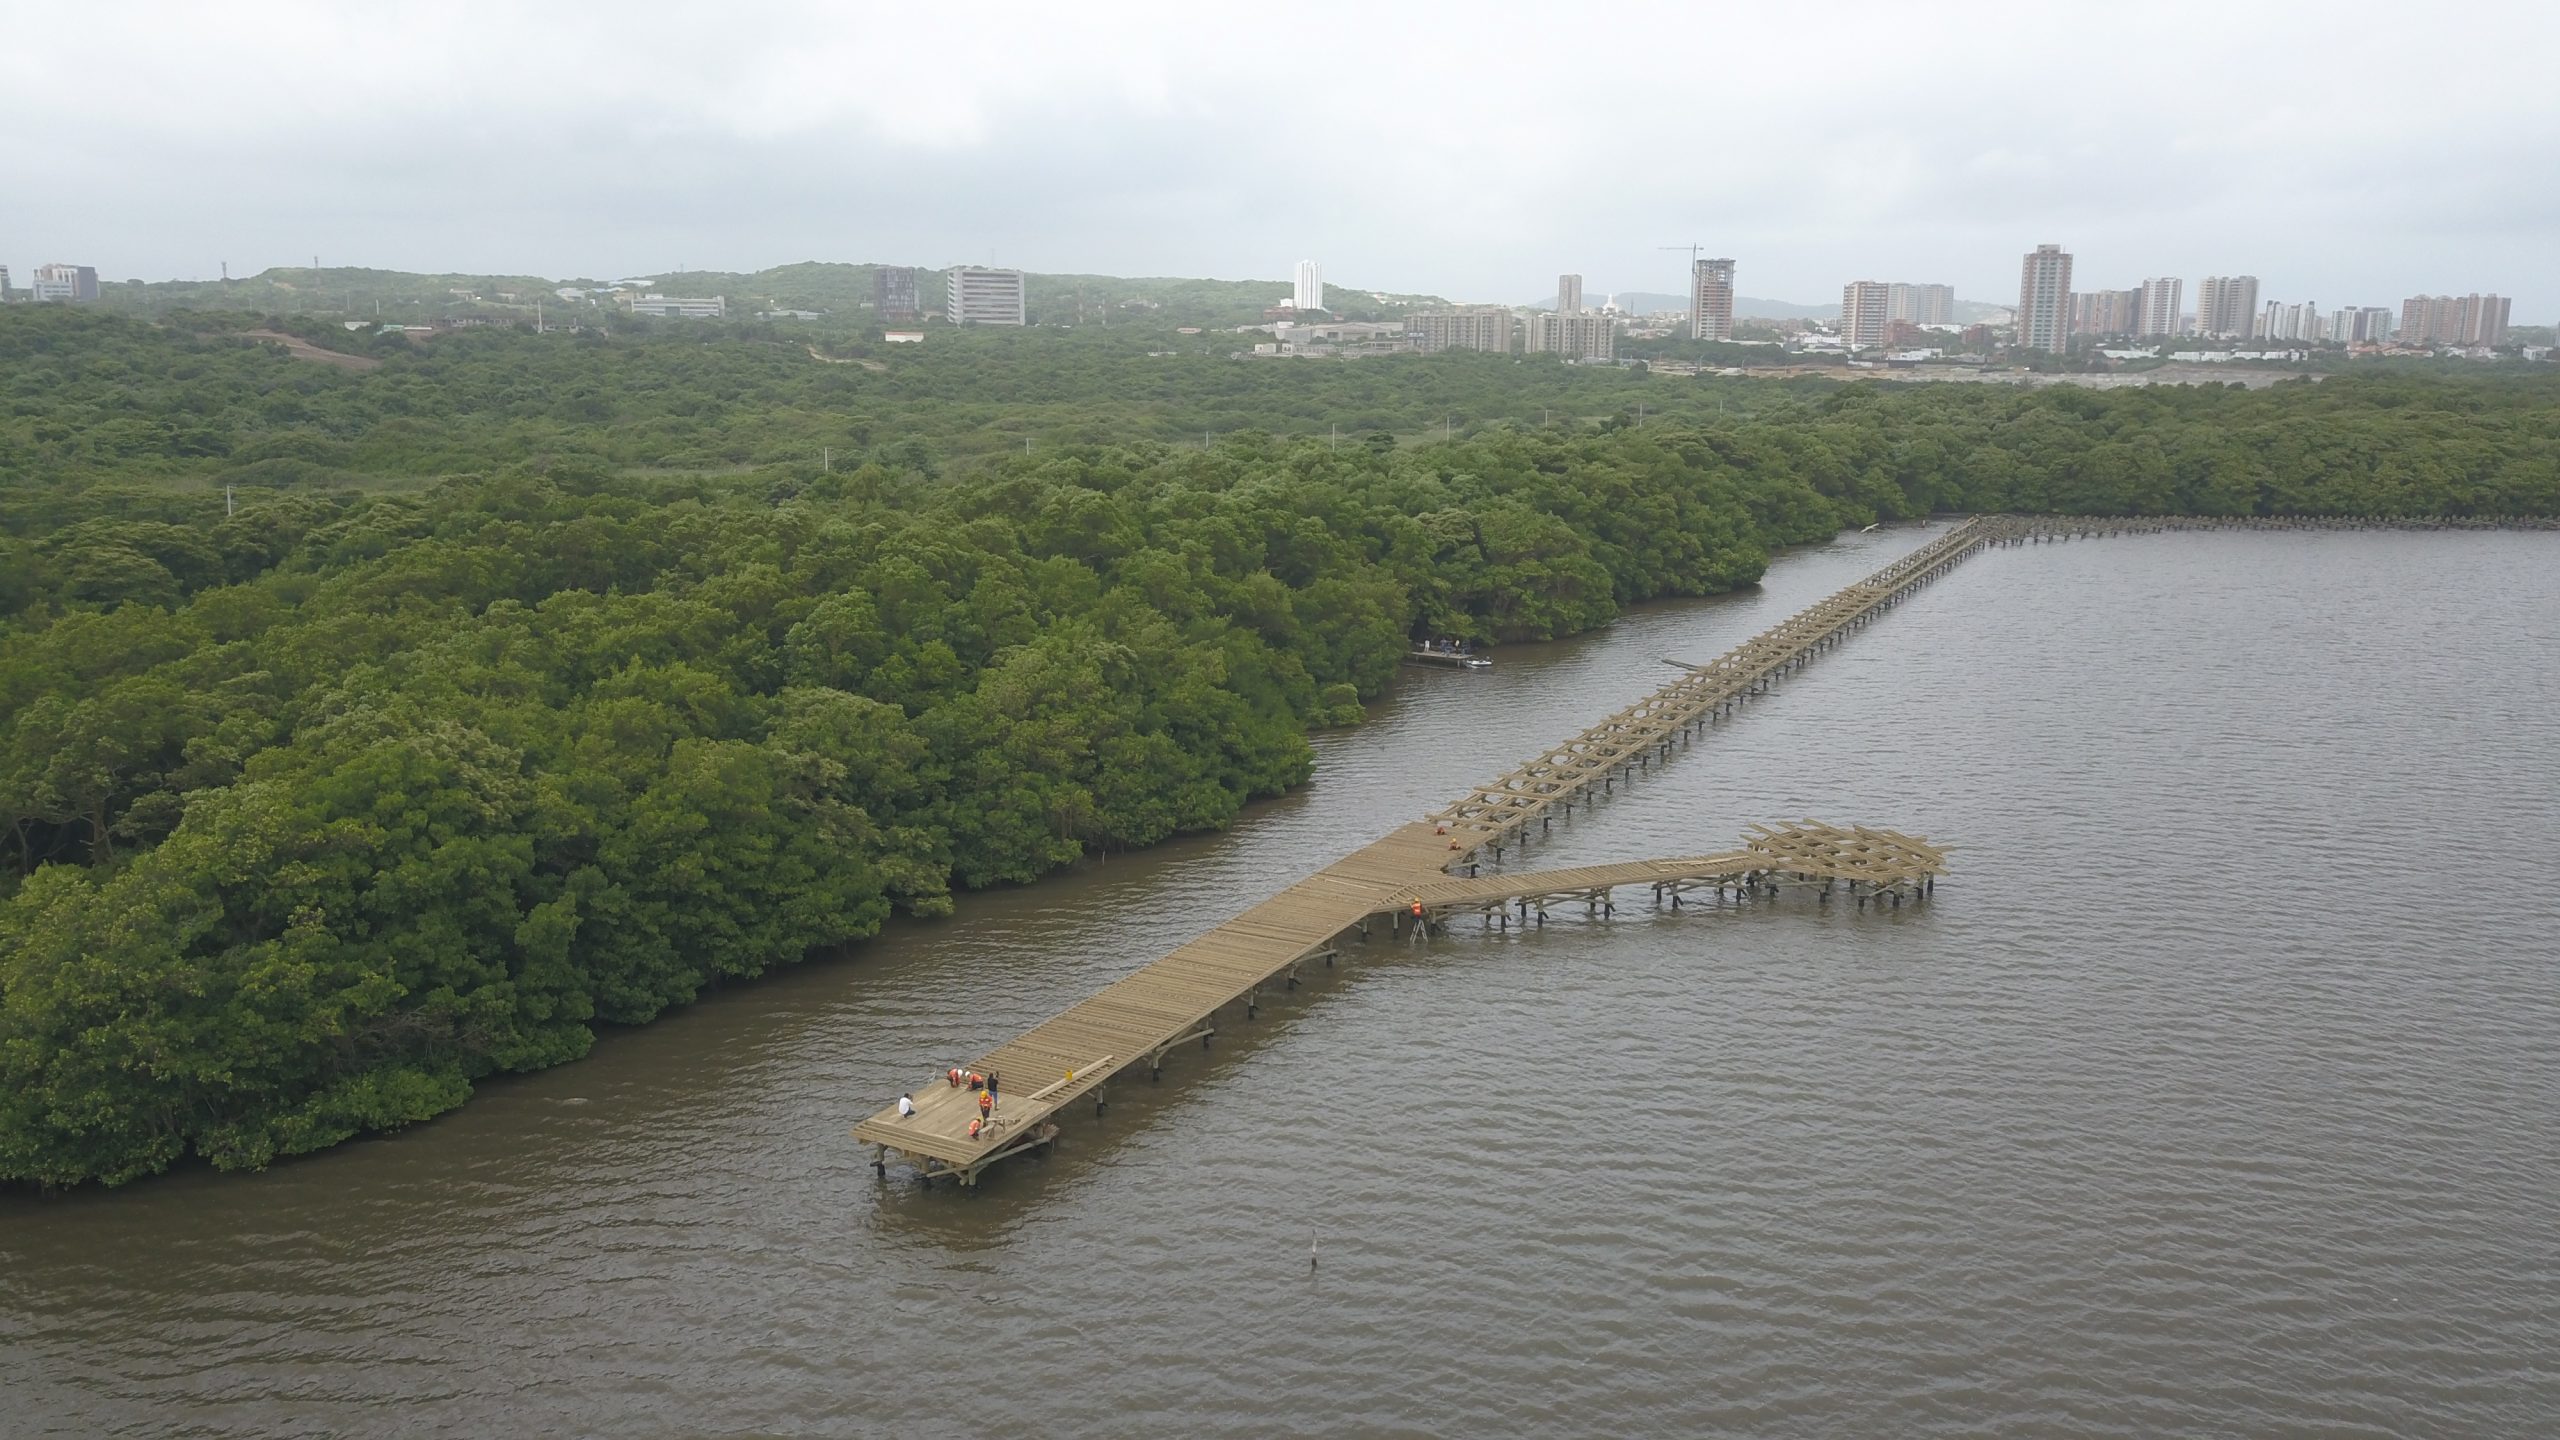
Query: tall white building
(980, 296)
(1568, 294)
(2044, 299)
(2161, 307)
(4, 282)
(2360, 325)
(1308, 293)
(2296, 321)
(1711, 300)
(1921, 304)
(2226, 305)
(1865, 306)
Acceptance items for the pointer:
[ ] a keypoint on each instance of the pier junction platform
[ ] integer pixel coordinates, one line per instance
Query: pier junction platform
(1425, 873)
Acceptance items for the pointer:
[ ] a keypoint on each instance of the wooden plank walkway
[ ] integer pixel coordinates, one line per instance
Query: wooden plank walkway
(1136, 1019)
(1645, 731)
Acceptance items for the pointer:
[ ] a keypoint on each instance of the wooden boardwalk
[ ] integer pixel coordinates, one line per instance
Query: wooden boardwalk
(1646, 731)
(1403, 875)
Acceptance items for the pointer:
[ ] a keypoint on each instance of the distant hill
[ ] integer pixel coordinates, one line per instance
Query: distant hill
(843, 291)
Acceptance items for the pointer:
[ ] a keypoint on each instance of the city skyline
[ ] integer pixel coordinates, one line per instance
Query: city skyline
(1060, 152)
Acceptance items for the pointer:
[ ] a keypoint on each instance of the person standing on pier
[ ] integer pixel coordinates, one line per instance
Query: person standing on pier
(986, 1104)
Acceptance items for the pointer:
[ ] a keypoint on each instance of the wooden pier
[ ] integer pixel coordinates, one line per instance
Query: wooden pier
(1648, 730)
(1404, 878)
(1884, 867)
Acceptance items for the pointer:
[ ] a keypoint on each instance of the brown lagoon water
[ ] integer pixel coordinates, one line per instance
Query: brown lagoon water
(2218, 1093)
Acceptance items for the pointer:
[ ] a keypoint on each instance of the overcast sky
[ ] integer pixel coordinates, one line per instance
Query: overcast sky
(2346, 152)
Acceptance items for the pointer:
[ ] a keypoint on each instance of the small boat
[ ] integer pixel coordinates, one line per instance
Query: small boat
(1454, 659)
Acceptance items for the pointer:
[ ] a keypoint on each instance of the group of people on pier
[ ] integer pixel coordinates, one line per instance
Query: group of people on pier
(984, 1085)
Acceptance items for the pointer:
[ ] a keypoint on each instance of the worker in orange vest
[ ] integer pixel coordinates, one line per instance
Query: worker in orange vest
(986, 1103)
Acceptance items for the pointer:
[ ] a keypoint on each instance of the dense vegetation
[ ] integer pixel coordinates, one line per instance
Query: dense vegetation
(482, 721)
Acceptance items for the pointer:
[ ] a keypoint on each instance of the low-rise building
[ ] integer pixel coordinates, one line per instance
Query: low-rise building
(681, 307)
(72, 283)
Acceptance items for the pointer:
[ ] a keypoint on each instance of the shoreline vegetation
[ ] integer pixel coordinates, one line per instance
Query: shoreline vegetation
(366, 732)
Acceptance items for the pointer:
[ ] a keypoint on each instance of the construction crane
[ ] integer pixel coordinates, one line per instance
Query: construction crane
(1689, 281)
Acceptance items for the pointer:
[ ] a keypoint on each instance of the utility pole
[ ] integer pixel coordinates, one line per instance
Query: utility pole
(827, 459)
(228, 508)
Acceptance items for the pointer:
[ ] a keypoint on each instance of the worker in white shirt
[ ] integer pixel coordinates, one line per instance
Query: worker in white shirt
(906, 1106)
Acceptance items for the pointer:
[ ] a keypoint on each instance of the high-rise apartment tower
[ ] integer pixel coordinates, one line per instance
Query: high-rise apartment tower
(2160, 309)
(2098, 313)
(1921, 304)
(980, 296)
(1308, 292)
(893, 295)
(1568, 294)
(1462, 327)
(2226, 305)
(1711, 300)
(2044, 299)
(1577, 336)
(2442, 319)
(1865, 306)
